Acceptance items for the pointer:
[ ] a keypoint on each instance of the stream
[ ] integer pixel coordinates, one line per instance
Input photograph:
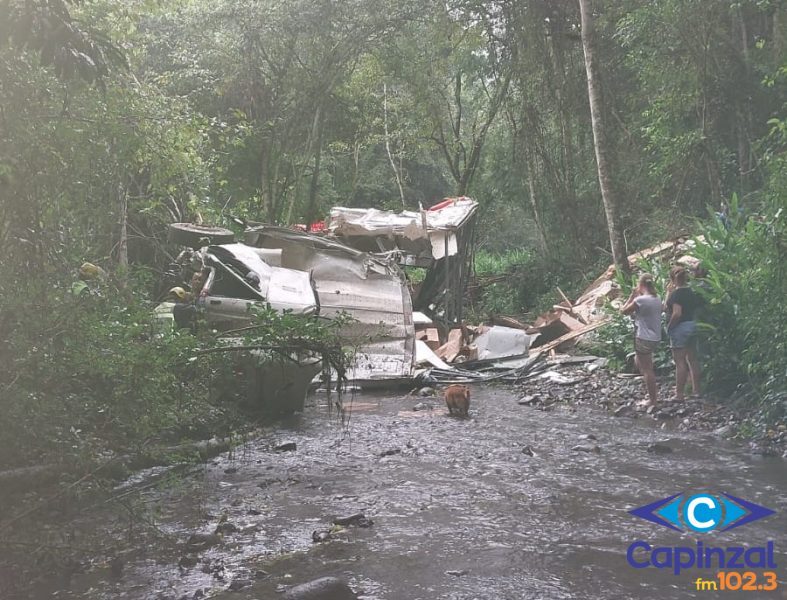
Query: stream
(502, 505)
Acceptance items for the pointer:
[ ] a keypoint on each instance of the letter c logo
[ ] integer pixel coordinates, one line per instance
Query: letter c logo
(702, 512)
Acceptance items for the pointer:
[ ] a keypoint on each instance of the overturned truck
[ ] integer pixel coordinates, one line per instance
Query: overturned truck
(353, 268)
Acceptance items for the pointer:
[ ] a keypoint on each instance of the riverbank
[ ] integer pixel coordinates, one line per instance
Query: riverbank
(588, 384)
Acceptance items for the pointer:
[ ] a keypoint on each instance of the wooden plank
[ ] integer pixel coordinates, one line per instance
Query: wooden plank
(450, 350)
(570, 311)
(569, 336)
(508, 322)
(432, 338)
(565, 298)
(570, 322)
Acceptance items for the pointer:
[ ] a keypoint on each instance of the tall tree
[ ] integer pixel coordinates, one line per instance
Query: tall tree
(601, 143)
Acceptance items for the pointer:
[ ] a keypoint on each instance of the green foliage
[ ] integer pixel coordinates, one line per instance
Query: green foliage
(71, 47)
(746, 326)
(489, 262)
(285, 334)
(93, 373)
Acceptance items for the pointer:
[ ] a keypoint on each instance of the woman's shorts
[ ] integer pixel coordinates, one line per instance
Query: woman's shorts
(645, 346)
(682, 334)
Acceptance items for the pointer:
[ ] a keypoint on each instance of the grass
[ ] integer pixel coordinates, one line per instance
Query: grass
(488, 263)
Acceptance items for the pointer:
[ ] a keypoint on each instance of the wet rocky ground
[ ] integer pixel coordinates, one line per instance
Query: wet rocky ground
(403, 502)
(588, 384)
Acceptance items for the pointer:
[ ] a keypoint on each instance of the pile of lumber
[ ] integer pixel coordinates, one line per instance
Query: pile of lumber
(559, 328)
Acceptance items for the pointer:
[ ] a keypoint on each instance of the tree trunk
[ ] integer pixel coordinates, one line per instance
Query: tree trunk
(744, 111)
(397, 175)
(595, 96)
(122, 254)
(311, 210)
(531, 186)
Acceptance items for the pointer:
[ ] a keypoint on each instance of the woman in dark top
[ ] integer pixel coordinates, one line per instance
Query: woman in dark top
(682, 304)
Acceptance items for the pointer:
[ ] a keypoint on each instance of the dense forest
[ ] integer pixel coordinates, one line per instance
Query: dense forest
(118, 118)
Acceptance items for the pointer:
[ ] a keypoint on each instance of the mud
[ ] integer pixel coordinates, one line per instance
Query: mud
(503, 505)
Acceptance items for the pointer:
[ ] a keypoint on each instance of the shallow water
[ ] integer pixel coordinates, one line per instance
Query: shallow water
(459, 495)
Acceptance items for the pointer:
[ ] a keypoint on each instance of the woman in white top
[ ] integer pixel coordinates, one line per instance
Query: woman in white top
(645, 305)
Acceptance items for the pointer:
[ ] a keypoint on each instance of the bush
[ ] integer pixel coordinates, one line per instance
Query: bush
(87, 374)
(746, 322)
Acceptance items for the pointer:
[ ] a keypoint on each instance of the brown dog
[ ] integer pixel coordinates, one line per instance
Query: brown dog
(457, 399)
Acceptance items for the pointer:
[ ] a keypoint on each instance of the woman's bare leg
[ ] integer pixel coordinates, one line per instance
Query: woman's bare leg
(645, 366)
(695, 371)
(681, 372)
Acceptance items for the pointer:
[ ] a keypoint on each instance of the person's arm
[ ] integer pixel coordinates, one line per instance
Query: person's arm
(677, 311)
(630, 306)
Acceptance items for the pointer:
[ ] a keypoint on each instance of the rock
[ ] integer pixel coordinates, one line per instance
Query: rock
(528, 450)
(226, 527)
(457, 573)
(325, 588)
(202, 541)
(253, 511)
(423, 406)
(659, 449)
(588, 436)
(724, 430)
(286, 447)
(320, 536)
(198, 595)
(426, 392)
(528, 400)
(231, 470)
(624, 411)
(784, 456)
(588, 449)
(239, 584)
(260, 574)
(390, 452)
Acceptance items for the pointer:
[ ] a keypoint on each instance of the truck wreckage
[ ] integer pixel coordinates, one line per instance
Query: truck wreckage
(354, 269)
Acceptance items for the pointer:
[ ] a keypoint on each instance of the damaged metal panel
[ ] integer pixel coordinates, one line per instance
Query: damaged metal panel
(439, 239)
(371, 289)
(422, 236)
(283, 289)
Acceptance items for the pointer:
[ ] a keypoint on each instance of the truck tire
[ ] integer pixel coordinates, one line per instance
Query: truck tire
(197, 236)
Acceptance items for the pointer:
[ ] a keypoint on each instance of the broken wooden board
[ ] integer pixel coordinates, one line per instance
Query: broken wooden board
(569, 336)
(570, 322)
(450, 350)
(556, 324)
(508, 322)
(432, 338)
(570, 312)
